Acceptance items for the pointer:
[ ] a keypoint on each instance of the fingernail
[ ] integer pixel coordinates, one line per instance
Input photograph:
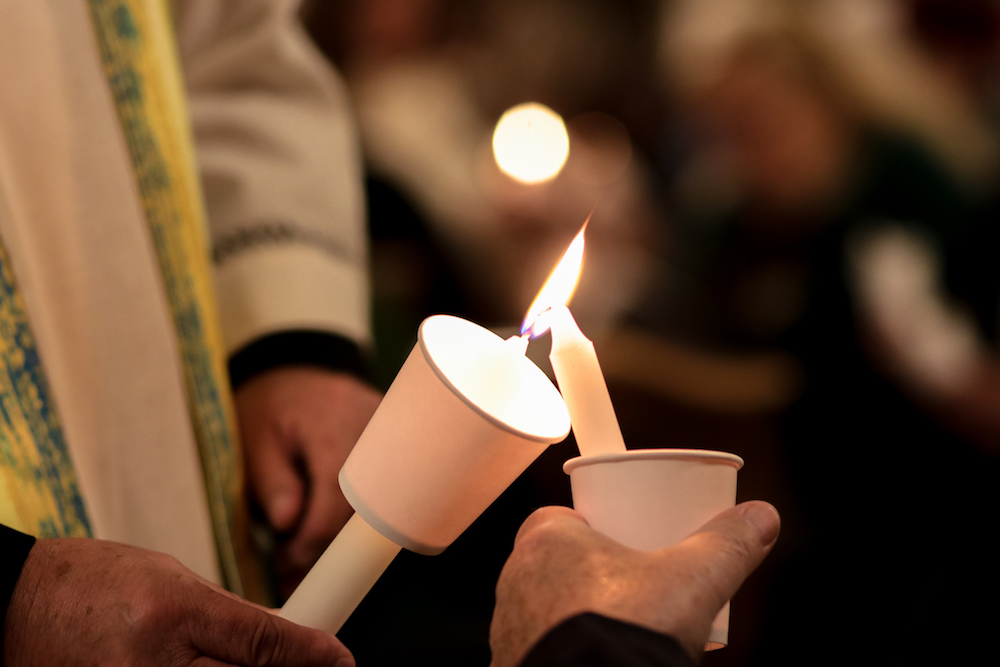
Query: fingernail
(765, 519)
(281, 509)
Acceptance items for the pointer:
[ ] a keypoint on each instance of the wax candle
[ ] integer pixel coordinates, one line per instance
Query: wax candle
(583, 387)
(342, 577)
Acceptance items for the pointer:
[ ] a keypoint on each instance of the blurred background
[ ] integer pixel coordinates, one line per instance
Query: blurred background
(792, 255)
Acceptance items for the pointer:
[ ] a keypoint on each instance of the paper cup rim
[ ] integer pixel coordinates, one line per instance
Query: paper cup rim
(499, 423)
(703, 455)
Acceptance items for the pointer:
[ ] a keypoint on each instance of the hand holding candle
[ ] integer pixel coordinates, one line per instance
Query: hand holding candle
(644, 499)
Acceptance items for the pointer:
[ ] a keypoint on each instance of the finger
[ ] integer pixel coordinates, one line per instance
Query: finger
(548, 517)
(731, 546)
(326, 512)
(237, 633)
(276, 482)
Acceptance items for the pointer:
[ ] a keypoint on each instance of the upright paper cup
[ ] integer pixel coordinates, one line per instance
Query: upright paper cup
(653, 498)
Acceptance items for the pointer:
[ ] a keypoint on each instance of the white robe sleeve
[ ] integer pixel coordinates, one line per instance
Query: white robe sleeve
(896, 277)
(281, 170)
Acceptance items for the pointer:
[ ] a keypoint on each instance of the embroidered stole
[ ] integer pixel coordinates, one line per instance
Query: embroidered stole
(39, 493)
(140, 59)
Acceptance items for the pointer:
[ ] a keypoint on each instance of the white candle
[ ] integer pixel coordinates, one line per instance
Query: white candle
(341, 578)
(582, 385)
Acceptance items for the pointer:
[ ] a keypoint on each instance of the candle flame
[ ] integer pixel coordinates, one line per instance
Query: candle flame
(558, 289)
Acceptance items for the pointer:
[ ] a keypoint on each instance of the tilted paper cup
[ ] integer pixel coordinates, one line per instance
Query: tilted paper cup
(467, 414)
(464, 417)
(653, 498)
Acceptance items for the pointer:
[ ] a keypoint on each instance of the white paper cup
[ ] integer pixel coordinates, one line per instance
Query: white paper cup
(467, 414)
(653, 498)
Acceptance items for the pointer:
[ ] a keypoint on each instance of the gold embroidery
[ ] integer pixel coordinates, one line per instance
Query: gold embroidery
(39, 493)
(141, 63)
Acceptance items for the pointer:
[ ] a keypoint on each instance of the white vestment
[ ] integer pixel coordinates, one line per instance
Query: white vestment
(281, 173)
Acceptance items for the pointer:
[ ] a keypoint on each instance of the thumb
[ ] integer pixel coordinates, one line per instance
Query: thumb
(546, 518)
(715, 560)
(238, 633)
(731, 546)
(275, 480)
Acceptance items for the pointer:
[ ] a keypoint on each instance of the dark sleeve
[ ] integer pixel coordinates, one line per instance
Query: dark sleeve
(310, 348)
(592, 640)
(14, 548)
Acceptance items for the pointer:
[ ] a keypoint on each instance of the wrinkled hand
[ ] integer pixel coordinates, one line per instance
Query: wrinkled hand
(561, 567)
(91, 602)
(298, 425)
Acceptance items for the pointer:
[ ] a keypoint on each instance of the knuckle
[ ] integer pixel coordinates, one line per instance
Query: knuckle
(535, 537)
(731, 549)
(265, 640)
(151, 609)
(729, 559)
(739, 550)
(541, 526)
(165, 561)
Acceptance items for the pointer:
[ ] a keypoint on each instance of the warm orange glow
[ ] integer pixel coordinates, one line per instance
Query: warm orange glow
(558, 289)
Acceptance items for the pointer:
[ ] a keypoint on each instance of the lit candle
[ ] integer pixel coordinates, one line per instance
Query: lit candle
(573, 358)
(582, 385)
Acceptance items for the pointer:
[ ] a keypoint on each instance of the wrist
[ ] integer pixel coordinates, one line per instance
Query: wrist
(17, 548)
(298, 348)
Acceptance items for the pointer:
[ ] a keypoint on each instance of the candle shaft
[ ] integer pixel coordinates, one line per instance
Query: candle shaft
(341, 578)
(582, 385)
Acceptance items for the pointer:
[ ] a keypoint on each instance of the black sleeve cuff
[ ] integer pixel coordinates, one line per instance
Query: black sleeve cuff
(592, 640)
(310, 348)
(14, 548)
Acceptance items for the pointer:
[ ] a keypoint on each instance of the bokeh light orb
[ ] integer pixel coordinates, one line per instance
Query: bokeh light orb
(530, 143)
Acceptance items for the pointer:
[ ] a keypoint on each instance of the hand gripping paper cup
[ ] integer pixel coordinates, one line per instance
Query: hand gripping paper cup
(653, 498)
(467, 414)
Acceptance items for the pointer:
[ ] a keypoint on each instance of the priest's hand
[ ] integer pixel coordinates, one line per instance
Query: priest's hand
(298, 424)
(92, 602)
(560, 567)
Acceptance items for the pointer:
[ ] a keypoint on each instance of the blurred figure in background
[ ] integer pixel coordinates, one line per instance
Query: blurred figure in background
(963, 39)
(808, 224)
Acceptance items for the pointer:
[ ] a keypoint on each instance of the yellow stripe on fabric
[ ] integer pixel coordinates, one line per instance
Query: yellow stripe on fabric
(141, 63)
(39, 493)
